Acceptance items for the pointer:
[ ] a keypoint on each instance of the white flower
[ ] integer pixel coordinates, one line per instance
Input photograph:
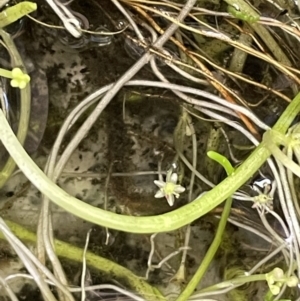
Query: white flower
(169, 189)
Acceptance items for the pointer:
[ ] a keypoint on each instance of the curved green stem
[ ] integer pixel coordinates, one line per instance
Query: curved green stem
(25, 102)
(109, 268)
(222, 161)
(236, 281)
(147, 224)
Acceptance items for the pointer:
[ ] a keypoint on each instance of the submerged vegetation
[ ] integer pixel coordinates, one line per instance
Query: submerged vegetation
(197, 103)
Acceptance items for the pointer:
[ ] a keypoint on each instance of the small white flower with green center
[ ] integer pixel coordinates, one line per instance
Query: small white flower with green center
(169, 189)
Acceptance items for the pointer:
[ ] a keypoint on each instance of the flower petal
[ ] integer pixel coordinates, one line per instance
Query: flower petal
(159, 183)
(174, 178)
(159, 194)
(14, 83)
(22, 84)
(16, 72)
(292, 281)
(179, 189)
(274, 288)
(278, 274)
(170, 199)
(26, 78)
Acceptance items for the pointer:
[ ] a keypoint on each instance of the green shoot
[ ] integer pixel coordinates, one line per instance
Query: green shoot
(222, 161)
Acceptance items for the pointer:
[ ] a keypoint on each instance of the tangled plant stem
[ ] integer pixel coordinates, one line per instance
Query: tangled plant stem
(165, 222)
(149, 224)
(272, 139)
(94, 261)
(25, 97)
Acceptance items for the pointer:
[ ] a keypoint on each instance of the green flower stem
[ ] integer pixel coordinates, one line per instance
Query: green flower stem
(270, 297)
(5, 73)
(94, 261)
(190, 288)
(25, 103)
(145, 224)
(233, 282)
